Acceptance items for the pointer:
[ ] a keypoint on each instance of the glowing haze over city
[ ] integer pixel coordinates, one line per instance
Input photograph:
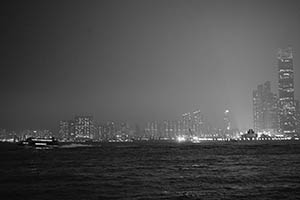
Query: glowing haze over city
(141, 60)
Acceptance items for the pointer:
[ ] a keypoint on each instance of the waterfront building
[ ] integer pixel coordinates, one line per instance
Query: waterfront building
(178, 127)
(287, 110)
(84, 127)
(226, 129)
(197, 122)
(165, 129)
(63, 132)
(187, 119)
(137, 131)
(110, 130)
(35, 133)
(152, 129)
(3, 133)
(297, 106)
(227, 123)
(265, 109)
(98, 132)
(71, 124)
(170, 129)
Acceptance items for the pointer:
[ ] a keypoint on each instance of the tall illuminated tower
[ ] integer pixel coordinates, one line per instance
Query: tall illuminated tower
(287, 110)
(227, 124)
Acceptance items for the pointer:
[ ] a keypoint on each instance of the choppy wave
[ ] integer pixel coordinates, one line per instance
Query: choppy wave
(153, 171)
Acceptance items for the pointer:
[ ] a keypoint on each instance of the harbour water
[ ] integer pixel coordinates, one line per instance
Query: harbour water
(152, 171)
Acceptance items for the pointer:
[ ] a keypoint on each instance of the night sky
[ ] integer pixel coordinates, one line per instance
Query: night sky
(140, 60)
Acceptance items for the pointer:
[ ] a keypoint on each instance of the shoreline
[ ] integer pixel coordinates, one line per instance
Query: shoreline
(165, 142)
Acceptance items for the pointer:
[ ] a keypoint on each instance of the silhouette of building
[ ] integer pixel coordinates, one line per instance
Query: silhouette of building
(287, 110)
(265, 109)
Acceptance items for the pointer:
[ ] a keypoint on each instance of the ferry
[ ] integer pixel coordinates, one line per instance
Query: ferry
(40, 143)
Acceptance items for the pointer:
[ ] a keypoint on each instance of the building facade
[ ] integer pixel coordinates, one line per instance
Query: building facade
(66, 129)
(287, 110)
(265, 109)
(84, 127)
(63, 131)
(227, 123)
(297, 106)
(197, 123)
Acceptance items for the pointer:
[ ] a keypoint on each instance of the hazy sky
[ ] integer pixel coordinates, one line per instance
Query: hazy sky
(140, 60)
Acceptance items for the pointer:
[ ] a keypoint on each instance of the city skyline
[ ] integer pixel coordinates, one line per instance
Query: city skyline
(141, 61)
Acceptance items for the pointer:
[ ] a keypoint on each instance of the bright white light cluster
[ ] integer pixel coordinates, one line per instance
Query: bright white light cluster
(180, 139)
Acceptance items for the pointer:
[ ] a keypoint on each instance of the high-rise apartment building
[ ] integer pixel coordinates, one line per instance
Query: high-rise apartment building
(287, 110)
(197, 122)
(66, 129)
(84, 127)
(63, 129)
(187, 122)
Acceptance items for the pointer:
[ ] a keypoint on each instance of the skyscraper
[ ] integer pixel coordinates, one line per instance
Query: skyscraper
(258, 109)
(226, 129)
(287, 110)
(265, 109)
(227, 124)
(297, 106)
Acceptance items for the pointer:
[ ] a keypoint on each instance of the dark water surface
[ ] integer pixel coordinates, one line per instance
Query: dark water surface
(152, 171)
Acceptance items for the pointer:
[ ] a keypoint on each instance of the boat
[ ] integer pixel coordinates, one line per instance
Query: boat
(40, 143)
